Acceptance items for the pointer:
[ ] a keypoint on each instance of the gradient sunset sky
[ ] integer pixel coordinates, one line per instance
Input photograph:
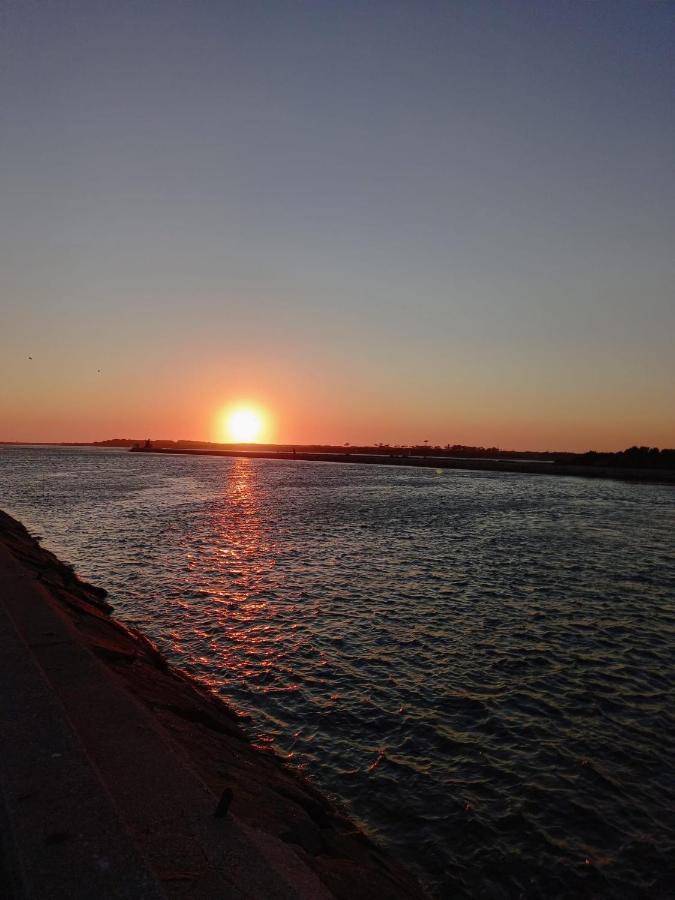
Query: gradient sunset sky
(378, 221)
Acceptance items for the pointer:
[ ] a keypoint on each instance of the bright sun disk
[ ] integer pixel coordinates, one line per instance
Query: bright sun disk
(244, 425)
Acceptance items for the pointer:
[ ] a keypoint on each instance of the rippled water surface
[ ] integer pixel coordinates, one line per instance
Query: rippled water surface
(480, 666)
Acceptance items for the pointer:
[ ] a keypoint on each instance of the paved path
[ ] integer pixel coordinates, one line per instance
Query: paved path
(95, 801)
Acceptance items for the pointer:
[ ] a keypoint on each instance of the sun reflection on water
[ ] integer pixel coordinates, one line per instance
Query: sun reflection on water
(239, 559)
(241, 544)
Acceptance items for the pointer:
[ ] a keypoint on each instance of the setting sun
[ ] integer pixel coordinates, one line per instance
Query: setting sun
(244, 425)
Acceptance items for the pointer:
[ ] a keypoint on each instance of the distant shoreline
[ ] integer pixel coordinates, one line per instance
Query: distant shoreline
(531, 464)
(523, 467)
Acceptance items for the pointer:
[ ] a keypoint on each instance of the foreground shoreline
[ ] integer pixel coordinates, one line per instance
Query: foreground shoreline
(287, 839)
(523, 467)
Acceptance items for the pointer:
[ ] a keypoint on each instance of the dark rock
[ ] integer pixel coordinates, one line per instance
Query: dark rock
(223, 804)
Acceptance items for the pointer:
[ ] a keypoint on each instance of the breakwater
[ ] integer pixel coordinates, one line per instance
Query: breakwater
(516, 466)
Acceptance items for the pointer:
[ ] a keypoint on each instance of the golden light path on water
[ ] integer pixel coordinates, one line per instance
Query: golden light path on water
(248, 643)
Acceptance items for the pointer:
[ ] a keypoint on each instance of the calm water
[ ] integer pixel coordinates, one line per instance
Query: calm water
(479, 666)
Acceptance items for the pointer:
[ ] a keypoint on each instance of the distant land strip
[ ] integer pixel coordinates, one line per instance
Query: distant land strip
(526, 467)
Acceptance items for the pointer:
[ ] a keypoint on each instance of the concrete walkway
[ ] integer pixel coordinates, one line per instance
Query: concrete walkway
(95, 801)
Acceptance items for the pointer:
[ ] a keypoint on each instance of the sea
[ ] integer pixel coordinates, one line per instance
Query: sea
(478, 667)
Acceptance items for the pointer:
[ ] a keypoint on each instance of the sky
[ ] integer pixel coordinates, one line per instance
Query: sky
(374, 221)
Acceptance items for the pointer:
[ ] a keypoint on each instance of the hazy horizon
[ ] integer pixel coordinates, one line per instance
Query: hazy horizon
(157, 439)
(373, 222)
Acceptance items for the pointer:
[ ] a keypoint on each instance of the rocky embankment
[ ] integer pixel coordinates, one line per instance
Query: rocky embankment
(255, 785)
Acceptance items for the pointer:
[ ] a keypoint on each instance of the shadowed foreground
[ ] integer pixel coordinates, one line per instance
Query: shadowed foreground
(123, 777)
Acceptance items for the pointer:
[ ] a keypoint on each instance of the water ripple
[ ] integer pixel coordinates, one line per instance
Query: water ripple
(478, 665)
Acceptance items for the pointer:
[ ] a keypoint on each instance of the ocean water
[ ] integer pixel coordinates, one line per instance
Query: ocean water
(478, 666)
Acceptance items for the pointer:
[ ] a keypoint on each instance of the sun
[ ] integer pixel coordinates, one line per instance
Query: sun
(244, 425)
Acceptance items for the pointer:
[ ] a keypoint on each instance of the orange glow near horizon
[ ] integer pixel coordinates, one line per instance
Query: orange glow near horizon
(242, 424)
(51, 402)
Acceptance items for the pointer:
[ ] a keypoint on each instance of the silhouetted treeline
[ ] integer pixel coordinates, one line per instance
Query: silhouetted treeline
(632, 458)
(425, 449)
